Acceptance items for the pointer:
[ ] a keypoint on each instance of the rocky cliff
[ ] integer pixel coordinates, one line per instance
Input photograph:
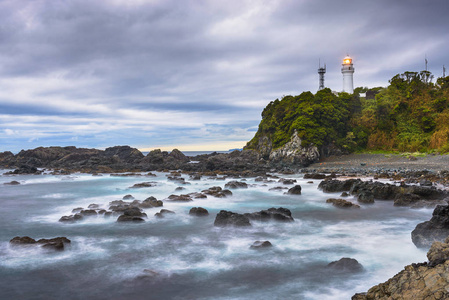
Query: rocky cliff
(429, 280)
(294, 153)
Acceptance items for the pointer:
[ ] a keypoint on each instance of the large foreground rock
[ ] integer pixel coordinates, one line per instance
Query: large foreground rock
(436, 229)
(417, 281)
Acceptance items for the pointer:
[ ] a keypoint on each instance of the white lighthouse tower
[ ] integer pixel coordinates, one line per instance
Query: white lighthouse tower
(347, 69)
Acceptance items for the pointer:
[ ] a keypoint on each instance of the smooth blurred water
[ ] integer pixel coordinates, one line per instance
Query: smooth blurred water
(192, 258)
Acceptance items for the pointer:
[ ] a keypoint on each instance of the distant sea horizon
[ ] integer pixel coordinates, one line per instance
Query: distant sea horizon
(195, 153)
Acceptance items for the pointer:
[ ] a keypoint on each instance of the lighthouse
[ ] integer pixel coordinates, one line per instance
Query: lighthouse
(347, 69)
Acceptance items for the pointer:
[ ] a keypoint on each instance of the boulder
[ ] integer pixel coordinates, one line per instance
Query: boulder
(287, 181)
(257, 245)
(151, 202)
(163, 213)
(406, 199)
(128, 197)
(227, 218)
(88, 212)
(198, 211)
(366, 197)
(436, 229)
(346, 264)
(296, 190)
(236, 185)
(51, 244)
(217, 191)
(144, 185)
(341, 203)
(134, 219)
(332, 186)
(179, 198)
(314, 176)
(271, 214)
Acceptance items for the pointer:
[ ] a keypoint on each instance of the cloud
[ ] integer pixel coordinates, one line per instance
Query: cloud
(192, 72)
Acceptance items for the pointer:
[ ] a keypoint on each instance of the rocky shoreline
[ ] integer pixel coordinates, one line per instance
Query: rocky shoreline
(414, 182)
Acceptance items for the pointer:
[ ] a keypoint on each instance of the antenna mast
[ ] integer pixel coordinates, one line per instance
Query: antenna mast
(444, 71)
(321, 72)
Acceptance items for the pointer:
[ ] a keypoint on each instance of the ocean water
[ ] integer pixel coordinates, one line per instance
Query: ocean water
(185, 257)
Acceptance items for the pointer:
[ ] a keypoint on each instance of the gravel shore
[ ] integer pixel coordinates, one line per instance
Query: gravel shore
(432, 162)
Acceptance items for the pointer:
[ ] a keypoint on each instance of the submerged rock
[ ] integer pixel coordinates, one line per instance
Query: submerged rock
(144, 185)
(14, 182)
(346, 264)
(228, 218)
(261, 245)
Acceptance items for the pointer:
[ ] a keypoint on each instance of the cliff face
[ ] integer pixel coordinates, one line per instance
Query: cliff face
(417, 281)
(292, 152)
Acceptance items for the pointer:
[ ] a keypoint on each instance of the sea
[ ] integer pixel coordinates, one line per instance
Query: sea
(186, 257)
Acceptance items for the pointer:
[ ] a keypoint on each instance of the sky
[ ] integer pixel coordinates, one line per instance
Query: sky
(192, 75)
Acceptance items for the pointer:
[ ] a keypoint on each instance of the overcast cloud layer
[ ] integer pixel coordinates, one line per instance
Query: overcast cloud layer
(191, 74)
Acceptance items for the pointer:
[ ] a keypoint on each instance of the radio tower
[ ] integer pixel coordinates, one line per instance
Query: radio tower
(321, 71)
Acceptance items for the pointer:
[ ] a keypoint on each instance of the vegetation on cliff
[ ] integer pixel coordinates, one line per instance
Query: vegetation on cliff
(411, 114)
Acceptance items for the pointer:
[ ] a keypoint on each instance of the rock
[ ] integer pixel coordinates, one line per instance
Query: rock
(144, 185)
(198, 211)
(179, 198)
(406, 199)
(134, 212)
(236, 185)
(12, 183)
(227, 218)
(51, 244)
(180, 188)
(151, 202)
(93, 206)
(417, 281)
(217, 191)
(163, 212)
(366, 197)
(346, 264)
(344, 194)
(296, 190)
(71, 218)
(25, 240)
(57, 243)
(292, 152)
(257, 245)
(275, 214)
(278, 188)
(314, 176)
(341, 203)
(287, 181)
(125, 218)
(436, 229)
(332, 186)
(128, 197)
(197, 195)
(88, 212)
(77, 210)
